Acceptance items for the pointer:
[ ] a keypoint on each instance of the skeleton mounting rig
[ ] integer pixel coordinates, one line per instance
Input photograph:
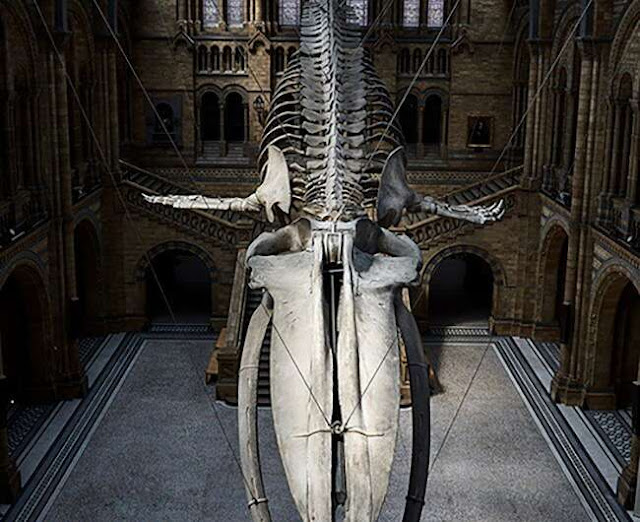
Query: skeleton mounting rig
(331, 155)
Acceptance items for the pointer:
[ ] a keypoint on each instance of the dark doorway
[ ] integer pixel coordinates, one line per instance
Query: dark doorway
(626, 345)
(22, 335)
(409, 119)
(210, 117)
(461, 291)
(186, 284)
(88, 281)
(432, 120)
(234, 118)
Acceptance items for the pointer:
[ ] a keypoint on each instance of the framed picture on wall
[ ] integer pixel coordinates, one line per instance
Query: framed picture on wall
(479, 132)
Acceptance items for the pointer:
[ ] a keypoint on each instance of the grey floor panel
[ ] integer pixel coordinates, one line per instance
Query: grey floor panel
(159, 453)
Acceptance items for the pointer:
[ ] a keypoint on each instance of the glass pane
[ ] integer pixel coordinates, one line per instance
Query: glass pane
(234, 13)
(435, 13)
(411, 13)
(360, 14)
(210, 13)
(289, 12)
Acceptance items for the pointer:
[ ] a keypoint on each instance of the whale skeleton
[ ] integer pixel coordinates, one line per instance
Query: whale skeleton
(331, 277)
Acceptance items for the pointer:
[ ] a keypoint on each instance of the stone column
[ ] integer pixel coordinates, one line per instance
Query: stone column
(571, 107)
(632, 182)
(542, 114)
(223, 143)
(113, 116)
(444, 130)
(605, 196)
(530, 127)
(624, 160)
(565, 387)
(72, 382)
(614, 183)
(420, 144)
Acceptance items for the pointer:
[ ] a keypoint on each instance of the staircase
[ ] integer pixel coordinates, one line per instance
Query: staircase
(229, 228)
(425, 228)
(224, 153)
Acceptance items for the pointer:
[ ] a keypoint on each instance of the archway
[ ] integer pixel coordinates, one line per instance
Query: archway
(25, 336)
(409, 120)
(185, 282)
(461, 291)
(234, 117)
(210, 117)
(617, 358)
(554, 269)
(88, 279)
(432, 135)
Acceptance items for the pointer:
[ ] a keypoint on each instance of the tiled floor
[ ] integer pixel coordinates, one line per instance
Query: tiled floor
(149, 443)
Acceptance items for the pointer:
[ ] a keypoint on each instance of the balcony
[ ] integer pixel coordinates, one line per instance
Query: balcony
(19, 215)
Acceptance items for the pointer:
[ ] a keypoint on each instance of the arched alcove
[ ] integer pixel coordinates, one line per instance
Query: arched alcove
(210, 117)
(616, 316)
(432, 132)
(409, 120)
(553, 266)
(461, 291)
(234, 117)
(25, 335)
(182, 279)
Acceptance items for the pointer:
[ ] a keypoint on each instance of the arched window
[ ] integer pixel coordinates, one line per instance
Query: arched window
(432, 126)
(622, 131)
(226, 58)
(359, 12)
(210, 117)
(560, 117)
(417, 59)
(210, 13)
(289, 14)
(279, 60)
(215, 58)
(411, 13)
(234, 13)
(442, 62)
(202, 58)
(404, 61)
(430, 67)
(234, 118)
(238, 64)
(408, 119)
(435, 13)
(520, 94)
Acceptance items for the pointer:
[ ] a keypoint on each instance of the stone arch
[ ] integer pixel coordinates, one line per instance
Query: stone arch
(551, 272)
(408, 120)
(235, 115)
(497, 272)
(614, 282)
(627, 27)
(143, 269)
(89, 279)
(26, 335)
(209, 104)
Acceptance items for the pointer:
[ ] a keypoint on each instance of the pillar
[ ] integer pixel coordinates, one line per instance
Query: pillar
(565, 386)
(632, 182)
